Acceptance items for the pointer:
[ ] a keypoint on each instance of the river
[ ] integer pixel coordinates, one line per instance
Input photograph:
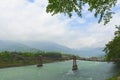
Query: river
(60, 71)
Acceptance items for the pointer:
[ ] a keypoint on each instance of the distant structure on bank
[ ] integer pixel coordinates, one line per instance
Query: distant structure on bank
(40, 62)
(74, 67)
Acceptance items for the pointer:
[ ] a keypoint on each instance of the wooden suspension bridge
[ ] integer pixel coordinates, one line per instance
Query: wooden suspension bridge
(74, 58)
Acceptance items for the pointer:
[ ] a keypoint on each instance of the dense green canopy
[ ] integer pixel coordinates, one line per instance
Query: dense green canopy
(101, 8)
(112, 49)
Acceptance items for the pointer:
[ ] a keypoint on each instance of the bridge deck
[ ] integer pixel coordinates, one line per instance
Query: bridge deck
(99, 60)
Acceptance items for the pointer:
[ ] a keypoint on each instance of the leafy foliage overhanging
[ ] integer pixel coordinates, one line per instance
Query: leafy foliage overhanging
(100, 8)
(112, 48)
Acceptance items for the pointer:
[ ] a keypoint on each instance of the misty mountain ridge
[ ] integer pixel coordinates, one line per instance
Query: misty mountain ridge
(15, 46)
(50, 46)
(47, 46)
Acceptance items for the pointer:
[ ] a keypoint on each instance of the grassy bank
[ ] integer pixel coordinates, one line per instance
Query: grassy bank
(17, 64)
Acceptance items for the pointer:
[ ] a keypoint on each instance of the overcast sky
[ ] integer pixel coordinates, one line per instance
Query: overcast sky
(22, 20)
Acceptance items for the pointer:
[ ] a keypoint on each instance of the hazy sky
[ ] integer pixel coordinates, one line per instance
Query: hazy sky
(27, 20)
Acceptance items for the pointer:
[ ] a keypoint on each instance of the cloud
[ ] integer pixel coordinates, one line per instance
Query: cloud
(32, 1)
(23, 20)
(118, 2)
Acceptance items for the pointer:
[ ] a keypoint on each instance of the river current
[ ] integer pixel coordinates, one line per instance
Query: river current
(60, 71)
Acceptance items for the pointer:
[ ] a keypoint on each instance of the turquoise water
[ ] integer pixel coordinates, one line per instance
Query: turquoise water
(60, 71)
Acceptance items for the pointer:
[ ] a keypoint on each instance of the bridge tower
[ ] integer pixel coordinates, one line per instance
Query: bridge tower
(40, 62)
(74, 67)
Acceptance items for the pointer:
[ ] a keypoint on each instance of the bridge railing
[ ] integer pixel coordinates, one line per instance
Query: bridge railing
(100, 60)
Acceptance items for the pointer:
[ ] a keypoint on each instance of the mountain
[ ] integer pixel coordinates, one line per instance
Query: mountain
(34, 46)
(50, 46)
(88, 52)
(6, 45)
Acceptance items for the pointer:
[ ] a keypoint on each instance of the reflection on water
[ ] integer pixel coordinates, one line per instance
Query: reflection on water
(60, 71)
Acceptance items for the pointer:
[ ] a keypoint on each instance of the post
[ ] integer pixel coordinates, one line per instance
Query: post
(40, 62)
(74, 67)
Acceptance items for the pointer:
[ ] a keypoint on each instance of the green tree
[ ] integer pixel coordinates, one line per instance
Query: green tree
(53, 55)
(112, 48)
(101, 8)
(5, 56)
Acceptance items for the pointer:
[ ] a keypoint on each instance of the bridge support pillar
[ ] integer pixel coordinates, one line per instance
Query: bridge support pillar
(74, 67)
(40, 62)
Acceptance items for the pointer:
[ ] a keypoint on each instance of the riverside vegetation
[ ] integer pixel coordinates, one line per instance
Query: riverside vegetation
(10, 59)
(112, 51)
